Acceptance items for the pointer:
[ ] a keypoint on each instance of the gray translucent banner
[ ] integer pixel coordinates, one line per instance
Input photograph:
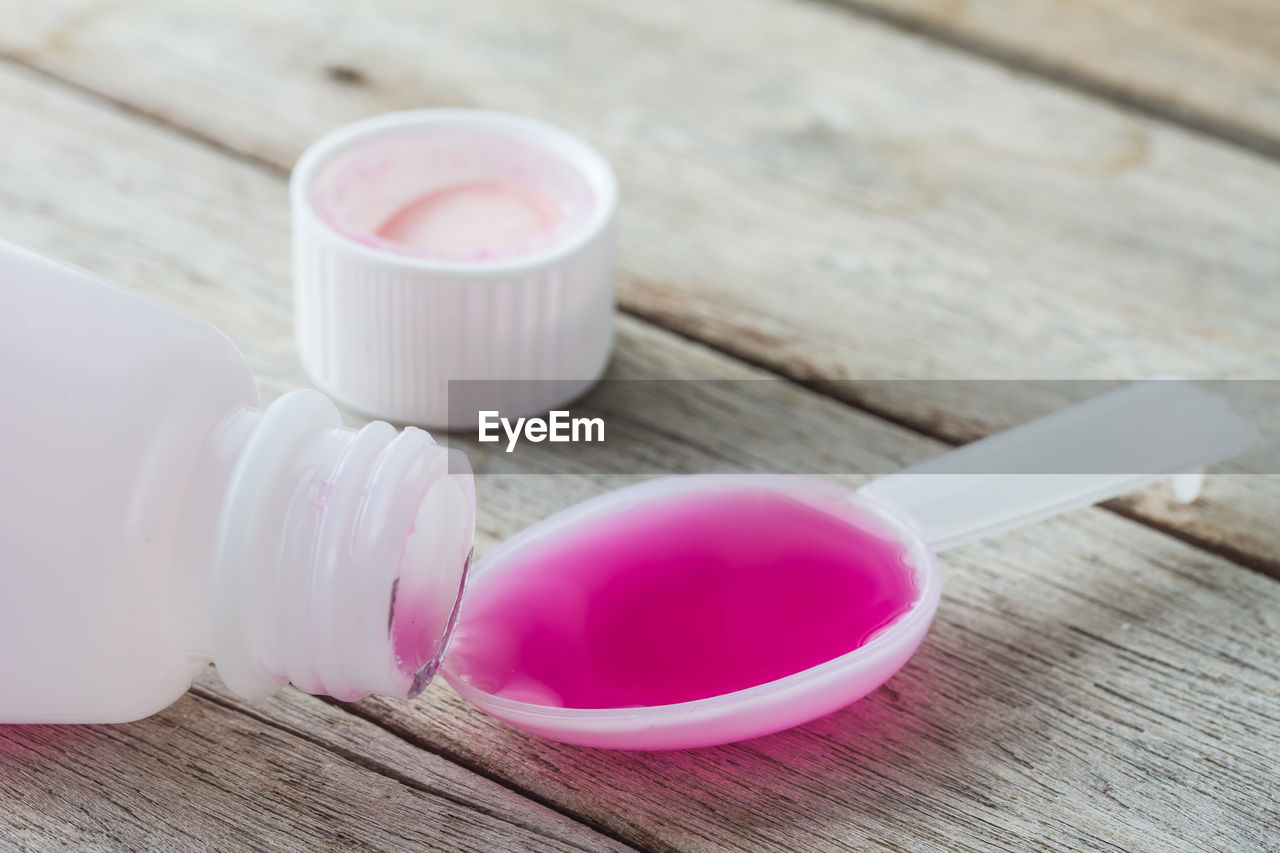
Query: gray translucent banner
(857, 427)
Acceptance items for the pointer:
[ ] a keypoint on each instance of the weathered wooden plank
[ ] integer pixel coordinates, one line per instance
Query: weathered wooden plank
(1090, 684)
(803, 189)
(1211, 65)
(201, 775)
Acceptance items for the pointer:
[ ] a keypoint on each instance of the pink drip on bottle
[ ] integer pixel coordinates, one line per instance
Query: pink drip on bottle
(415, 626)
(682, 600)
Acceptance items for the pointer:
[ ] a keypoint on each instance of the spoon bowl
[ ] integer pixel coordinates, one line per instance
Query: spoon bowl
(793, 698)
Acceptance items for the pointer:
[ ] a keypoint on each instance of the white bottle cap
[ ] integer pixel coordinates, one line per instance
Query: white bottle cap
(438, 245)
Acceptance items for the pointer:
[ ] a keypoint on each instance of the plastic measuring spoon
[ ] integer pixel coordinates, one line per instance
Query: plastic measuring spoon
(697, 610)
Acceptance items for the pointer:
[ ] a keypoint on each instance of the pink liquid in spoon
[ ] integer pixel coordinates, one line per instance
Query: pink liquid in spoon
(681, 599)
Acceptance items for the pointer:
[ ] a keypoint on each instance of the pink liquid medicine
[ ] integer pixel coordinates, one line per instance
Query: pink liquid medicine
(680, 600)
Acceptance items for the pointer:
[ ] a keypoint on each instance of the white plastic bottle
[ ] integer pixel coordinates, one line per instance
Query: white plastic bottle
(154, 518)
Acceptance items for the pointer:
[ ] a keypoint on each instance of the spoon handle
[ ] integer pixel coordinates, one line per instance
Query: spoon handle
(1086, 453)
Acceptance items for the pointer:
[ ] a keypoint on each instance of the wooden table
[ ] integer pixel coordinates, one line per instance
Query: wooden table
(813, 191)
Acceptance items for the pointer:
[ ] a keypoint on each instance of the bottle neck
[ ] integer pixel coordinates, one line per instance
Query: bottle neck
(338, 556)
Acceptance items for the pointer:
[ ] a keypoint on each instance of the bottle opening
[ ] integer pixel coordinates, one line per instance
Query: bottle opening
(342, 555)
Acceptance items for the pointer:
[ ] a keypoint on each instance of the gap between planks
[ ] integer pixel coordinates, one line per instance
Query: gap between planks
(287, 784)
(825, 388)
(837, 391)
(479, 769)
(374, 766)
(1024, 62)
(16, 61)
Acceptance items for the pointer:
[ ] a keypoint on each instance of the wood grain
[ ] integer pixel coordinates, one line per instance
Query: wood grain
(811, 192)
(1089, 684)
(297, 774)
(1213, 66)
